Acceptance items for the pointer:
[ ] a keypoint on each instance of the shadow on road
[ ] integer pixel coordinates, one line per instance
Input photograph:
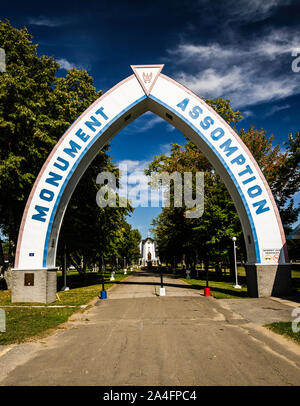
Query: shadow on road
(77, 281)
(145, 273)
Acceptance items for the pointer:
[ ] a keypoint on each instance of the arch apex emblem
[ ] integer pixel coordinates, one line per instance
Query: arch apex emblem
(147, 75)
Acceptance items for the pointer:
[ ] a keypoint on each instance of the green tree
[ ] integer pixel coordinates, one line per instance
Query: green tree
(210, 237)
(99, 226)
(281, 169)
(293, 149)
(129, 244)
(25, 91)
(36, 108)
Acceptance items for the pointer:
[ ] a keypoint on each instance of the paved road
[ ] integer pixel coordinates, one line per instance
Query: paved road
(138, 338)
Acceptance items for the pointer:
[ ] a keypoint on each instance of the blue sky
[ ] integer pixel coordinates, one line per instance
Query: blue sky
(237, 49)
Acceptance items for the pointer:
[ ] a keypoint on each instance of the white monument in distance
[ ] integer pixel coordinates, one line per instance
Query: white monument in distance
(148, 251)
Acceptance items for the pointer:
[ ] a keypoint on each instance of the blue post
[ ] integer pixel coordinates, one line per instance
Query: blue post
(103, 294)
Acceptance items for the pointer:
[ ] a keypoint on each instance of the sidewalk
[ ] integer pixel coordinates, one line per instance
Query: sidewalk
(257, 310)
(262, 310)
(147, 284)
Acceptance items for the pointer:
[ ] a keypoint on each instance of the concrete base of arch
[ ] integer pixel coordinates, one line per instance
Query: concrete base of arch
(269, 280)
(34, 286)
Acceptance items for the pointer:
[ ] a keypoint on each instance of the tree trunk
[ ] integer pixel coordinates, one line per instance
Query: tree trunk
(3, 265)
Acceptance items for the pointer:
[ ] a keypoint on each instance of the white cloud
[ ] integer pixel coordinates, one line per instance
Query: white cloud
(165, 149)
(247, 11)
(136, 186)
(268, 47)
(151, 122)
(186, 51)
(247, 73)
(64, 64)
(146, 122)
(133, 165)
(46, 21)
(275, 109)
(256, 10)
(246, 114)
(212, 82)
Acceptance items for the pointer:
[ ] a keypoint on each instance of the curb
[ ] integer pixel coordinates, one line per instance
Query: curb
(286, 302)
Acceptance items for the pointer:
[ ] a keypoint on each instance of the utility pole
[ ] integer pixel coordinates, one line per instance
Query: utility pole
(64, 270)
(125, 269)
(162, 290)
(103, 293)
(236, 286)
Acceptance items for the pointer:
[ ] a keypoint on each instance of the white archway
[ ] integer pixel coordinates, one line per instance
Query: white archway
(149, 90)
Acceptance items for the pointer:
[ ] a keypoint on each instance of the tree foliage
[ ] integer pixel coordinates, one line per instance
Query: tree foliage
(210, 237)
(36, 108)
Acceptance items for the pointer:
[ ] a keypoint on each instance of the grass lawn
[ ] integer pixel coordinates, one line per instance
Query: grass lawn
(296, 279)
(222, 287)
(23, 323)
(284, 328)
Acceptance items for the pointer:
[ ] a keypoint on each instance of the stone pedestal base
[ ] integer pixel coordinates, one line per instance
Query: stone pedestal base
(268, 280)
(38, 285)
